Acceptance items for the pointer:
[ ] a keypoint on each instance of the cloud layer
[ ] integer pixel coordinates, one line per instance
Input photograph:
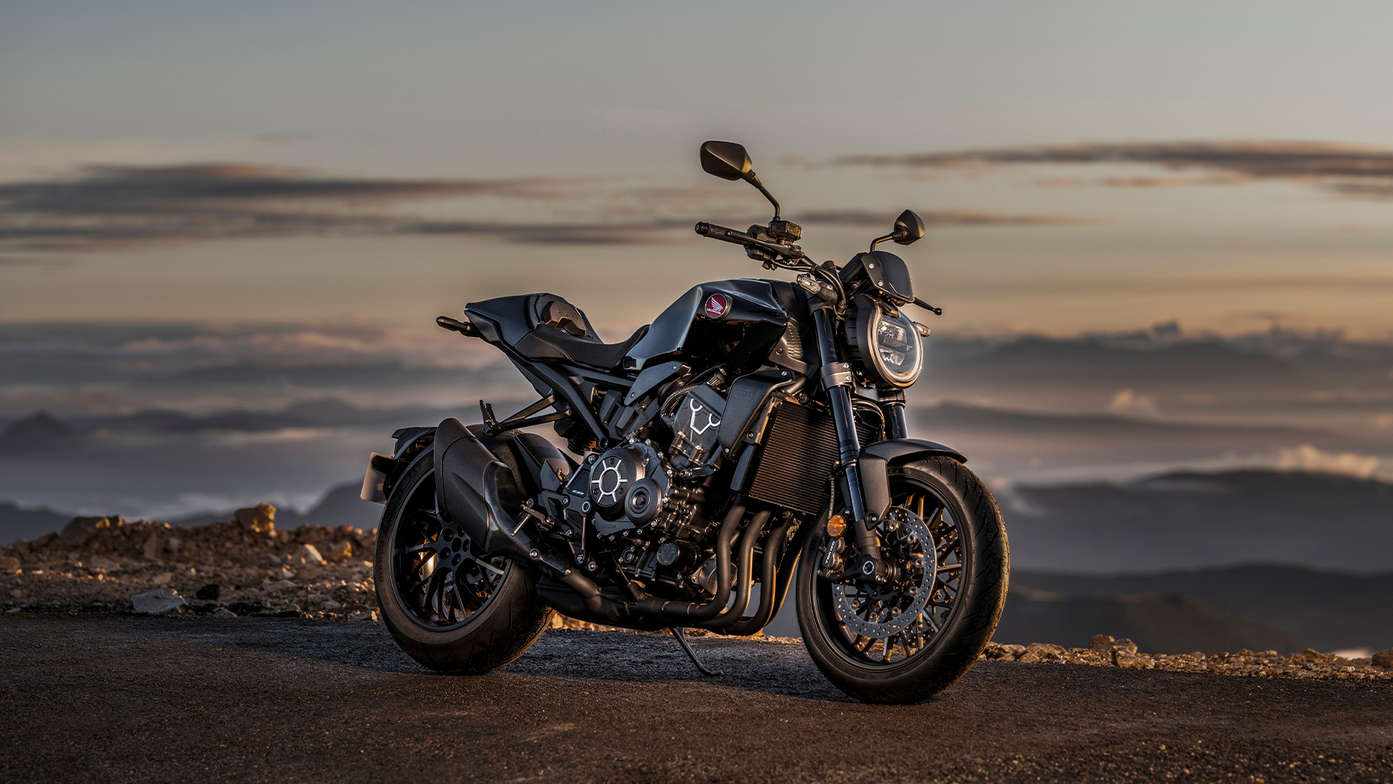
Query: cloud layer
(107, 207)
(1343, 168)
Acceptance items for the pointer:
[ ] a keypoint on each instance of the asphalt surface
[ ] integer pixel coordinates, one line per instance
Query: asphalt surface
(114, 698)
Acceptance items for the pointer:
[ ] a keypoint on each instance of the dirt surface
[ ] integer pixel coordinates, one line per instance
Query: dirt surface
(121, 698)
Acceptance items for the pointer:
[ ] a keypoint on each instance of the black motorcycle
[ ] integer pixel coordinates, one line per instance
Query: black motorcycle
(751, 437)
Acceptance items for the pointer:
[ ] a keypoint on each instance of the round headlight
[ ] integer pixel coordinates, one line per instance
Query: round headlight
(888, 345)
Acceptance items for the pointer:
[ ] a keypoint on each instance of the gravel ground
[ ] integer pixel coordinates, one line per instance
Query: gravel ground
(124, 698)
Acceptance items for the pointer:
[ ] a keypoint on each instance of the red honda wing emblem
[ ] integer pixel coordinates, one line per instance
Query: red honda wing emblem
(717, 305)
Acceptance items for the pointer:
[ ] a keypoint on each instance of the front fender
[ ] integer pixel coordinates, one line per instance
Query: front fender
(876, 460)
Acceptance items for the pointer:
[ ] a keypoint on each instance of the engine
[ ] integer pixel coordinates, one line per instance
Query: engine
(644, 505)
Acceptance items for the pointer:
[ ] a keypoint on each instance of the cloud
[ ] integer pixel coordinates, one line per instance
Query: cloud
(1309, 458)
(1129, 402)
(112, 207)
(882, 220)
(107, 207)
(1138, 182)
(1348, 169)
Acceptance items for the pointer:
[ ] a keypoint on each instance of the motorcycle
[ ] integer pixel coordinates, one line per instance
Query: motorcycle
(751, 441)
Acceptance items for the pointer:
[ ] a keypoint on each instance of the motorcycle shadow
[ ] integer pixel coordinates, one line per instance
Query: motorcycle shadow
(780, 668)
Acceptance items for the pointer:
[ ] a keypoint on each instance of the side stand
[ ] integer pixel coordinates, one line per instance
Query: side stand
(691, 654)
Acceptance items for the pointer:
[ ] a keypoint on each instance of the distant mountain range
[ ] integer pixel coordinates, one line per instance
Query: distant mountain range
(1159, 623)
(18, 522)
(339, 506)
(1248, 606)
(1186, 520)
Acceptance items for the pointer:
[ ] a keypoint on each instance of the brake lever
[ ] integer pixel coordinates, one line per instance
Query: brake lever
(926, 306)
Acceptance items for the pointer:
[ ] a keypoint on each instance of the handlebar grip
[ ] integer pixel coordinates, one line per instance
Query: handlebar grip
(723, 233)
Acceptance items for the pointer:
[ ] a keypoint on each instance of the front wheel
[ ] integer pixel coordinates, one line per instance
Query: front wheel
(909, 638)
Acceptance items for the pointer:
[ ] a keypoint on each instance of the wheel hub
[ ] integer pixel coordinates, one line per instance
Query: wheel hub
(908, 544)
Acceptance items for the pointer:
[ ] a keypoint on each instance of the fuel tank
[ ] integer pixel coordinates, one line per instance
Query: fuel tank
(732, 318)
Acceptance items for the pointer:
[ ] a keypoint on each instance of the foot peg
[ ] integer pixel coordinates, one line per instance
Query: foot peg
(691, 654)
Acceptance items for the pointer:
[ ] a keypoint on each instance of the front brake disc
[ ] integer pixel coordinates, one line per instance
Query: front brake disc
(912, 593)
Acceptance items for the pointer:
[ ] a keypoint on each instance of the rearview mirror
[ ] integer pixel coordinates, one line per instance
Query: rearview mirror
(909, 227)
(726, 160)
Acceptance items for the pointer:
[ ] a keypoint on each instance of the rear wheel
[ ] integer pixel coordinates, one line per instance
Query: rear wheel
(907, 639)
(447, 607)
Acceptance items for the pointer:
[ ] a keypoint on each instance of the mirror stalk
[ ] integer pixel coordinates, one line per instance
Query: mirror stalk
(752, 179)
(879, 240)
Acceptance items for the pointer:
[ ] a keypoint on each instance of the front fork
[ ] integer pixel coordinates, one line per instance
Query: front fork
(837, 379)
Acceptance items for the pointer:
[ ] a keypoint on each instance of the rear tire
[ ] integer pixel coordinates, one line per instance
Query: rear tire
(448, 636)
(964, 624)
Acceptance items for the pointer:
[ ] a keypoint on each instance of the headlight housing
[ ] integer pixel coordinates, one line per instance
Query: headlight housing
(887, 345)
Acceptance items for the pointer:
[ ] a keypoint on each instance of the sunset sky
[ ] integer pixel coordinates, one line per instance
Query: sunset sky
(1083, 165)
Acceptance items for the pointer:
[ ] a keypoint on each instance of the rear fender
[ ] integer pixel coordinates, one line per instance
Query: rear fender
(877, 459)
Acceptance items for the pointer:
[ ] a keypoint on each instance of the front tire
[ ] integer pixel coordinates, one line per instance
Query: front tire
(448, 608)
(905, 642)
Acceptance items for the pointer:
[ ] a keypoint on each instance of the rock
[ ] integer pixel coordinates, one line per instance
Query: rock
(1012, 651)
(1101, 642)
(1130, 660)
(153, 548)
(163, 579)
(156, 602)
(341, 551)
(1125, 645)
(309, 554)
(310, 572)
(1383, 659)
(43, 541)
(279, 585)
(259, 519)
(9, 563)
(102, 564)
(81, 530)
(208, 593)
(992, 651)
(1045, 651)
(223, 612)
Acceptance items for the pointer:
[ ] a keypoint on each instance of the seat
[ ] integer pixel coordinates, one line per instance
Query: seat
(582, 350)
(561, 331)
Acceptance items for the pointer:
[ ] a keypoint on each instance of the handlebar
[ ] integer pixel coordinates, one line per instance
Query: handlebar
(737, 237)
